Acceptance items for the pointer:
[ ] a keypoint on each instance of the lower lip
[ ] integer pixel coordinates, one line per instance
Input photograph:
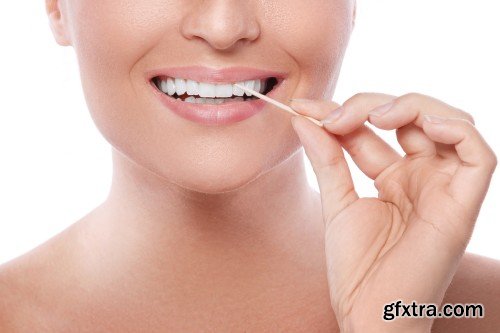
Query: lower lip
(215, 114)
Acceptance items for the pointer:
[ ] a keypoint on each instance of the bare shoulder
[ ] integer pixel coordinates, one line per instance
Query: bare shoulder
(477, 281)
(14, 296)
(6, 301)
(27, 284)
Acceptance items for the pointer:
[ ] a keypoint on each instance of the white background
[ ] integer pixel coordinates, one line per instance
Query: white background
(55, 166)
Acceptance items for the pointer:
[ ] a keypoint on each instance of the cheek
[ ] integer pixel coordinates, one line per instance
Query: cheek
(110, 37)
(310, 29)
(315, 34)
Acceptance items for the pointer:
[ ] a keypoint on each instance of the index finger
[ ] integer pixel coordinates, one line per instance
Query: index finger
(345, 118)
(411, 108)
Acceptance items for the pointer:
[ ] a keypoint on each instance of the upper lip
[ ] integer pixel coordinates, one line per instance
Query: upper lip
(216, 75)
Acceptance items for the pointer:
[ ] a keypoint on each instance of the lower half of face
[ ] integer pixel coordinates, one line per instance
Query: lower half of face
(119, 46)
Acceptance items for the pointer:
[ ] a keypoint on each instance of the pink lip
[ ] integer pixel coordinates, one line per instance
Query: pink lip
(221, 114)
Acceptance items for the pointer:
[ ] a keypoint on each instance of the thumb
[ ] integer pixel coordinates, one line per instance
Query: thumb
(329, 164)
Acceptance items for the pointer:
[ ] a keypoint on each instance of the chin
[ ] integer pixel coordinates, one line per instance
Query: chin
(217, 177)
(216, 174)
(215, 184)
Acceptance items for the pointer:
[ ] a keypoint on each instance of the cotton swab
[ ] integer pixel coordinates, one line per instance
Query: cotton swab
(278, 104)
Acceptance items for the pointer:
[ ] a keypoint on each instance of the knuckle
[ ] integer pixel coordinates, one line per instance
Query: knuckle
(411, 97)
(356, 98)
(329, 163)
(465, 124)
(489, 159)
(470, 118)
(467, 116)
(493, 160)
(410, 101)
(334, 161)
(367, 100)
(356, 149)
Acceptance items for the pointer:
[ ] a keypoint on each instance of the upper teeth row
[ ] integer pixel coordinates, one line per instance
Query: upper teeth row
(180, 86)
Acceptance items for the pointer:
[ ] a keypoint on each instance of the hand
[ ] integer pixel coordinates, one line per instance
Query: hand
(407, 243)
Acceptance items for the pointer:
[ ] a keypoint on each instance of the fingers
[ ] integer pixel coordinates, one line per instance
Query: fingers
(370, 153)
(331, 169)
(455, 137)
(411, 108)
(414, 141)
(345, 119)
(318, 109)
(385, 112)
(478, 161)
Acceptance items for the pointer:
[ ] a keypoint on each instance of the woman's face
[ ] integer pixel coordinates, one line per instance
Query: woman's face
(120, 43)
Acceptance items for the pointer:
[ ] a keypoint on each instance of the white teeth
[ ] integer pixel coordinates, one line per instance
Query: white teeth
(180, 86)
(191, 87)
(250, 85)
(208, 91)
(190, 99)
(170, 86)
(238, 91)
(257, 85)
(223, 90)
(163, 86)
(196, 100)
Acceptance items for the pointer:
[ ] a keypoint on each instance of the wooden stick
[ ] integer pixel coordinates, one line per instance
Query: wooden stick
(278, 104)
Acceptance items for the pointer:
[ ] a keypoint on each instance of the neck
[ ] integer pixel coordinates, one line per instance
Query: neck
(269, 204)
(147, 219)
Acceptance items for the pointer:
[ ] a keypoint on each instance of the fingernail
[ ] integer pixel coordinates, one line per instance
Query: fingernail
(381, 110)
(434, 119)
(333, 116)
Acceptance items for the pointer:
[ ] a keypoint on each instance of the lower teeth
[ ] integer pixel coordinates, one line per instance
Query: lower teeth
(201, 100)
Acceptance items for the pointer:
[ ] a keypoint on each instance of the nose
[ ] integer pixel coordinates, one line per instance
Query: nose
(221, 23)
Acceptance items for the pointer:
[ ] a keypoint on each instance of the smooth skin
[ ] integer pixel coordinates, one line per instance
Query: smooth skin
(407, 243)
(217, 229)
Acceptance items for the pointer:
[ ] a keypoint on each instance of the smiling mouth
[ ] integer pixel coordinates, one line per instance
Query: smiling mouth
(190, 91)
